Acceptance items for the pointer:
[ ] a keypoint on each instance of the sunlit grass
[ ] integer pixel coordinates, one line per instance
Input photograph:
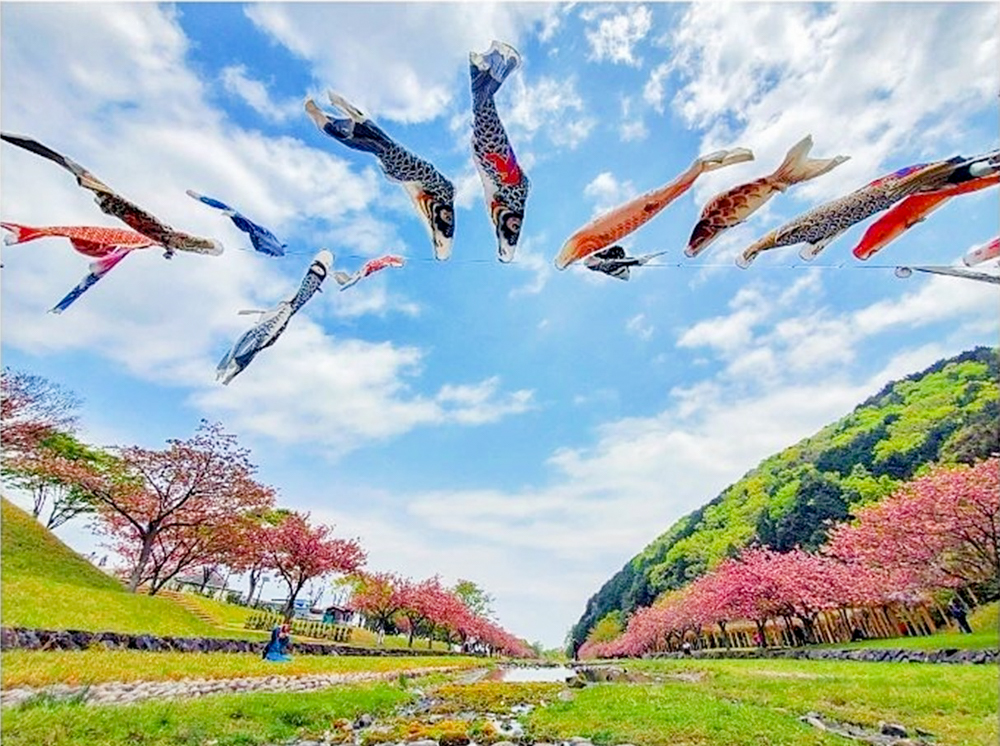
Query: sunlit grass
(956, 703)
(41, 667)
(46, 585)
(667, 715)
(985, 635)
(984, 640)
(223, 720)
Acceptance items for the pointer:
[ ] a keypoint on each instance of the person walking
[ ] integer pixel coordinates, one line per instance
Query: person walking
(958, 612)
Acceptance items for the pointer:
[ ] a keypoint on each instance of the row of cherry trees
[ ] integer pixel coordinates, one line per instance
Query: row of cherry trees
(427, 609)
(941, 531)
(196, 504)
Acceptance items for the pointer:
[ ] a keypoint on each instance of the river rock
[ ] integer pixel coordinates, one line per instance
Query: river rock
(363, 721)
(892, 729)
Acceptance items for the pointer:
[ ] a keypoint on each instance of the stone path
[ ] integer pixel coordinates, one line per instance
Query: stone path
(126, 693)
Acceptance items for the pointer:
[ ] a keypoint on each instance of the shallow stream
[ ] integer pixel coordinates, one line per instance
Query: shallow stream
(531, 674)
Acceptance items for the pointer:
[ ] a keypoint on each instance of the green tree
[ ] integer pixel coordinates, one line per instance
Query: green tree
(47, 474)
(476, 600)
(611, 626)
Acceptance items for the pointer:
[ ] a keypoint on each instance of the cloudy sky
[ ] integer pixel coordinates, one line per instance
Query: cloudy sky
(519, 426)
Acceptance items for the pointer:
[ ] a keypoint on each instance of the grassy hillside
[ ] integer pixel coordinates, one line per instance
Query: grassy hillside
(45, 584)
(949, 412)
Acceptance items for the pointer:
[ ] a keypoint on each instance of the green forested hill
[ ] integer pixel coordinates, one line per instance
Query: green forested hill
(949, 412)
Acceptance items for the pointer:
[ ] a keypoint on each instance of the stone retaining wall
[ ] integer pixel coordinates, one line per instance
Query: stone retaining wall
(868, 655)
(12, 638)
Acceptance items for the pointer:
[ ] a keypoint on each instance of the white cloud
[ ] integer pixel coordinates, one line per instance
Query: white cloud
(395, 61)
(549, 106)
(653, 92)
(639, 326)
(468, 188)
(861, 78)
(551, 22)
(535, 263)
(616, 36)
(633, 131)
(733, 331)
(606, 191)
(255, 95)
(632, 126)
(359, 393)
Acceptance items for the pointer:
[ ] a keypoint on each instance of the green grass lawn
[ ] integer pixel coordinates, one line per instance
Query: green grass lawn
(222, 614)
(49, 586)
(735, 702)
(41, 667)
(223, 720)
(985, 635)
(984, 640)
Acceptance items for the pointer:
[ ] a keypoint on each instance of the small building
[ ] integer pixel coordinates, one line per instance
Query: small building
(339, 615)
(194, 581)
(330, 614)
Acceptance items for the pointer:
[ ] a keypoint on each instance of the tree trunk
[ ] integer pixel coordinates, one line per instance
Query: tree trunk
(38, 501)
(140, 565)
(206, 574)
(761, 633)
(725, 637)
(289, 610)
(254, 577)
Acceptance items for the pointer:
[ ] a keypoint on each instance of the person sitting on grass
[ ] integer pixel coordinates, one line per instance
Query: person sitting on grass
(279, 645)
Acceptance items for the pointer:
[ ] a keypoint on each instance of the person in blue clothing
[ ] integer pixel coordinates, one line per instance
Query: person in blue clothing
(280, 643)
(958, 612)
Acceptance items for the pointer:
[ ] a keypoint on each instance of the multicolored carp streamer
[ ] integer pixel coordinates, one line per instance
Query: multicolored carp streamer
(98, 269)
(372, 266)
(971, 175)
(93, 241)
(505, 185)
(107, 245)
(966, 274)
(262, 239)
(432, 194)
(273, 321)
(117, 206)
(618, 222)
(735, 205)
(615, 262)
(821, 225)
(980, 254)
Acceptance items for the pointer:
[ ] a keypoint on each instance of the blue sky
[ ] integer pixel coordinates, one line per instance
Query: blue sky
(522, 427)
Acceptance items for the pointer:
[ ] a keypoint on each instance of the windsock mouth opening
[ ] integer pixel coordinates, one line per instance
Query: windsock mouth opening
(809, 252)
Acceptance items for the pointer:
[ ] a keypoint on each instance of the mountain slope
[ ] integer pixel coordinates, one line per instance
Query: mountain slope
(949, 412)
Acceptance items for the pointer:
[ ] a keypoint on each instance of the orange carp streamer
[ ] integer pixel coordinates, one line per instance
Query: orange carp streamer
(612, 226)
(735, 205)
